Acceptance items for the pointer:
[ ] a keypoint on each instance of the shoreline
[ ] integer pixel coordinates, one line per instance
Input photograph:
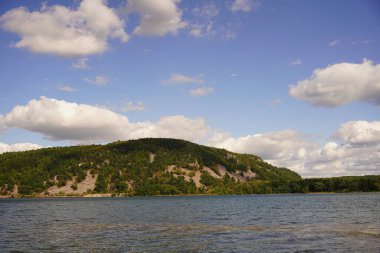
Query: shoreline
(110, 195)
(95, 195)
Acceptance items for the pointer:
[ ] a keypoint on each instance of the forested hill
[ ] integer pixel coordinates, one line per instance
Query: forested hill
(152, 166)
(156, 166)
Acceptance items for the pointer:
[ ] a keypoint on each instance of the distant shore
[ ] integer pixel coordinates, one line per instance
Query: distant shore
(95, 195)
(109, 195)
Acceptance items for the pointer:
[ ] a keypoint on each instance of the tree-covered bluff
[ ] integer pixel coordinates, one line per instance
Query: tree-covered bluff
(139, 167)
(151, 166)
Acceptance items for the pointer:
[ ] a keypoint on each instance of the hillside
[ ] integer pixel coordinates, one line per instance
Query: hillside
(151, 166)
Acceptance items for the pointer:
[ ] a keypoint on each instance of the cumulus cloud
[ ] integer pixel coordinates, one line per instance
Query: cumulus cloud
(340, 84)
(65, 32)
(2, 126)
(157, 17)
(81, 64)
(99, 80)
(335, 159)
(134, 107)
(359, 133)
(281, 148)
(331, 151)
(182, 79)
(61, 120)
(244, 5)
(179, 126)
(18, 147)
(356, 151)
(296, 151)
(200, 92)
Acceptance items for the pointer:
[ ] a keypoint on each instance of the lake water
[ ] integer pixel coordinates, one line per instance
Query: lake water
(260, 223)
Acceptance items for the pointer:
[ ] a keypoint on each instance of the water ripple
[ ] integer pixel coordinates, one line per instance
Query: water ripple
(320, 223)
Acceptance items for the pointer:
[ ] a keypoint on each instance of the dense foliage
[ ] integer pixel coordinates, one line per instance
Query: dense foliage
(140, 167)
(337, 184)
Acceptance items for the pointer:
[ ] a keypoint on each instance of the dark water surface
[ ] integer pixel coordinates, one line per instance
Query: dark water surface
(264, 223)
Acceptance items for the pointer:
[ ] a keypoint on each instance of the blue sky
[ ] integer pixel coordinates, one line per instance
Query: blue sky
(297, 82)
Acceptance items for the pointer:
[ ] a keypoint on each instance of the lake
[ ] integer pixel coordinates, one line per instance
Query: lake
(258, 223)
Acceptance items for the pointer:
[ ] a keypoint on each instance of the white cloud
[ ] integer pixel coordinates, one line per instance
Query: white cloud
(331, 151)
(356, 152)
(340, 84)
(18, 147)
(283, 148)
(296, 62)
(66, 88)
(202, 30)
(61, 120)
(200, 92)
(206, 11)
(359, 133)
(205, 23)
(157, 17)
(362, 42)
(81, 64)
(244, 5)
(99, 80)
(134, 107)
(209, 29)
(334, 43)
(179, 126)
(295, 151)
(2, 125)
(337, 160)
(65, 32)
(182, 79)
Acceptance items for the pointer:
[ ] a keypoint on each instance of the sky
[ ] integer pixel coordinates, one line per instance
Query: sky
(295, 82)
